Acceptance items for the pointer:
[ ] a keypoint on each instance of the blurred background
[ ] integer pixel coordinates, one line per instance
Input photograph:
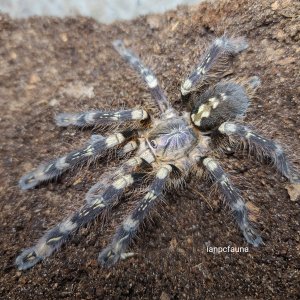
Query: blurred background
(105, 11)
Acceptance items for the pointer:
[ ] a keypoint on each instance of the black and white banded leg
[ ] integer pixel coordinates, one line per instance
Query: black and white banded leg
(146, 74)
(126, 168)
(263, 146)
(126, 232)
(95, 147)
(58, 235)
(234, 200)
(128, 148)
(220, 47)
(98, 117)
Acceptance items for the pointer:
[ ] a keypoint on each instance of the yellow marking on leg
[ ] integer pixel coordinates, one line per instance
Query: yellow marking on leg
(139, 114)
(48, 168)
(123, 182)
(30, 256)
(60, 164)
(89, 152)
(148, 156)
(164, 172)
(29, 180)
(114, 140)
(210, 164)
(249, 134)
(135, 161)
(67, 226)
(186, 86)
(43, 249)
(84, 213)
(129, 147)
(75, 155)
(151, 81)
(130, 224)
(39, 173)
(98, 203)
(224, 180)
(150, 195)
(111, 141)
(200, 70)
(228, 128)
(55, 239)
(89, 117)
(120, 137)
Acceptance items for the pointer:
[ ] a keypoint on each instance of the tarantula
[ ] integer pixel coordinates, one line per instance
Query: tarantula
(166, 149)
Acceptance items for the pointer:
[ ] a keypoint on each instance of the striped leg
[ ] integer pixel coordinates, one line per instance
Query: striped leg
(128, 148)
(147, 75)
(127, 168)
(94, 148)
(235, 201)
(116, 250)
(97, 117)
(220, 47)
(59, 234)
(262, 146)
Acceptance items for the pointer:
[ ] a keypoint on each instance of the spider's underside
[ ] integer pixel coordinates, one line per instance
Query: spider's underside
(164, 149)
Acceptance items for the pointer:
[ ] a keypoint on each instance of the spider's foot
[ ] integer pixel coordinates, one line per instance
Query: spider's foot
(127, 255)
(42, 173)
(109, 256)
(233, 45)
(29, 180)
(252, 237)
(27, 259)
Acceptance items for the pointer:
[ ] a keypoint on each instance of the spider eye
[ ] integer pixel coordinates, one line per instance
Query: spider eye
(153, 144)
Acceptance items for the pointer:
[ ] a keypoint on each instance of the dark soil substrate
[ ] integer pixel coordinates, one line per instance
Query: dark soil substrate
(50, 65)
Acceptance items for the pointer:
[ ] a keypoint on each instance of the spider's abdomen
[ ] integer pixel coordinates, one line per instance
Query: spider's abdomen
(172, 139)
(221, 103)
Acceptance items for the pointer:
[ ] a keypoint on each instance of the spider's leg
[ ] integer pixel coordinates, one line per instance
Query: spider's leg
(129, 147)
(127, 168)
(147, 75)
(220, 47)
(263, 146)
(116, 250)
(97, 117)
(234, 199)
(94, 148)
(58, 235)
